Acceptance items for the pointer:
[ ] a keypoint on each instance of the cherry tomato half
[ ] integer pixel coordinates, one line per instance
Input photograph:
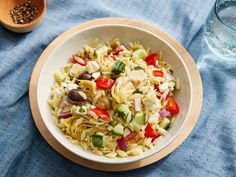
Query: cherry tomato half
(101, 113)
(172, 106)
(150, 132)
(104, 83)
(151, 59)
(157, 73)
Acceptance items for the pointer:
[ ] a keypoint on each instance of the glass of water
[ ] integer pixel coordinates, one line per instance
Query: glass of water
(220, 29)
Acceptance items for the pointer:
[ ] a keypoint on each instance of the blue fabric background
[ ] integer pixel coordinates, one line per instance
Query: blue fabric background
(210, 150)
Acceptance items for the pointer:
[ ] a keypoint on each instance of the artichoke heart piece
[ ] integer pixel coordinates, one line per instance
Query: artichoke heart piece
(55, 102)
(151, 102)
(61, 75)
(101, 51)
(67, 123)
(122, 89)
(77, 69)
(89, 51)
(89, 87)
(92, 66)
(137, 75)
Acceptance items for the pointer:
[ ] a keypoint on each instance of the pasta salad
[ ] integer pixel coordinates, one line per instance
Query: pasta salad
(115, 100)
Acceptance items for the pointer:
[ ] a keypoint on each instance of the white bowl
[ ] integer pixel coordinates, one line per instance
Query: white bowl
(59, 56)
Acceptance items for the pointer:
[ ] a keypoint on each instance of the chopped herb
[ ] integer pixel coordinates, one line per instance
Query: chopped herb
(81, 110)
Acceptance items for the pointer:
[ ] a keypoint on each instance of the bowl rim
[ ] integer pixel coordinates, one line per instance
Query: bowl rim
(111, 22)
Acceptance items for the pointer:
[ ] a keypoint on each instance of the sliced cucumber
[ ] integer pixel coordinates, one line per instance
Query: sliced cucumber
(101, 51)
(137, 126)
(97, 139)
(123, 111)
(140, 118)
(119, 67)
(171, 122)
(118, 129)
(138, 121)
(164, 123)
(139, 54)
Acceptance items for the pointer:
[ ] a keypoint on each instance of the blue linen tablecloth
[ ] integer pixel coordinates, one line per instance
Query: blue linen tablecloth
(210, 150)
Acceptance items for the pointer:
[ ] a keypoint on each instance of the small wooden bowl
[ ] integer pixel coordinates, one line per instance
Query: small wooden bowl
(6, 20)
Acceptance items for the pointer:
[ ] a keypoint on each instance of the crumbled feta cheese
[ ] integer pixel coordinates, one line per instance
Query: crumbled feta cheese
(69, 86)
(163, 86)
(153, 118)
(96, 75)
(169, 77)
(63, 84)
(79, 110)
(58, 92)
(92, 66)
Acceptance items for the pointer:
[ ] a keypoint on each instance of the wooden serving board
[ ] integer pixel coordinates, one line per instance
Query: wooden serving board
(188, 126)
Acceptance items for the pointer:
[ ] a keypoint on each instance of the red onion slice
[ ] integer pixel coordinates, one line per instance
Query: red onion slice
(164, 113)
(64, 115)
(122, 143)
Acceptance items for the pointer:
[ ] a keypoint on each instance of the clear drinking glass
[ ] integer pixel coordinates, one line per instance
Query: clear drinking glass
(220, 29)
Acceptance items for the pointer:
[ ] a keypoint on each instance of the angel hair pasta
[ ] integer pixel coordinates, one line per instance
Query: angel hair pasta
(115, 100)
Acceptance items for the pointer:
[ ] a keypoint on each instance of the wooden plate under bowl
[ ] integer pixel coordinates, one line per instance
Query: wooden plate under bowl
(184, 132)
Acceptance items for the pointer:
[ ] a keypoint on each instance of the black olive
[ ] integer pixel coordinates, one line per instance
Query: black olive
(138, 68)
(75, 97)
(75, 102)
(85, 76)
